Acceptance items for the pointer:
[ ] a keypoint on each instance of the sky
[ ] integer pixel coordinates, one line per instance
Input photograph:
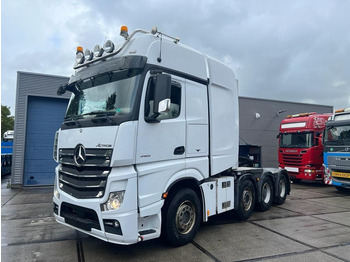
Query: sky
(295, 51)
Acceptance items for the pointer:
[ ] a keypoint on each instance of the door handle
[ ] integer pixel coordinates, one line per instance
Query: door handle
(179, 150)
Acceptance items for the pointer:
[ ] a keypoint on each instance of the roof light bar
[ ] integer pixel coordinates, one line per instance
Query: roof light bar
(342, 110)
(98, 51)
(301, 114)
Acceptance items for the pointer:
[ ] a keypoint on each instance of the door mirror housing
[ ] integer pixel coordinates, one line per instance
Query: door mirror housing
(162, 91)
(61, 90)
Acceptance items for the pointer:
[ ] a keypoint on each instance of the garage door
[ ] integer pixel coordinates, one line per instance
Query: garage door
(44, 118)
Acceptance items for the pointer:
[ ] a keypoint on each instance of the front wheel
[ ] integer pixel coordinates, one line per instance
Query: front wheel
(182, 217)
(246, 199)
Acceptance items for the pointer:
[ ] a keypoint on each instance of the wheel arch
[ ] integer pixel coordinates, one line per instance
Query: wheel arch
(185, 182)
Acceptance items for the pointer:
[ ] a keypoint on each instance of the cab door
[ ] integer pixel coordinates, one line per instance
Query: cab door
(160, 150)
(164, 138)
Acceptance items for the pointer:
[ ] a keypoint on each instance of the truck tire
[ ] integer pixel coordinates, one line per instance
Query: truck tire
(183, 216)
(281, 190)
(266, 195)
(246, 199)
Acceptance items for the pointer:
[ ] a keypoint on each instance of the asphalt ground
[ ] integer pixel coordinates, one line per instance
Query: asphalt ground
(312, 225)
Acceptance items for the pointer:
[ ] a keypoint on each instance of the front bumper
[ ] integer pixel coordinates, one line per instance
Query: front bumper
(119, 226)
(313, 174)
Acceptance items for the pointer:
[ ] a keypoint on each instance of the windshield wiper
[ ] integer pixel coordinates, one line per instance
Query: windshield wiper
(334, 142)
(71, 120)
(100, 113)
(102, 116)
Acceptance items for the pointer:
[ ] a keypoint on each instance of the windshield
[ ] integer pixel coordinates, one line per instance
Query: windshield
(113, 93)
(337, 134)
(297, 140)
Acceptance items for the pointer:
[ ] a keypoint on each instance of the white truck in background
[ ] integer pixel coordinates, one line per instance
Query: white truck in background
(149, 144)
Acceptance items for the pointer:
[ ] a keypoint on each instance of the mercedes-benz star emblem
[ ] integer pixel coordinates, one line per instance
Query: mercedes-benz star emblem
(79, 155)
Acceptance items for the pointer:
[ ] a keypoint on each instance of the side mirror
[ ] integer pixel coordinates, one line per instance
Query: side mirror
(162, 91)
(61, 90)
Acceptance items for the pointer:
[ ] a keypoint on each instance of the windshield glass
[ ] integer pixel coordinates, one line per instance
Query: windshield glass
(297, 140)
(337, 134)
(110, 94)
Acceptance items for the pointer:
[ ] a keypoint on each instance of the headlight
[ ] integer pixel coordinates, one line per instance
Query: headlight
(309, 171)
(114, 202)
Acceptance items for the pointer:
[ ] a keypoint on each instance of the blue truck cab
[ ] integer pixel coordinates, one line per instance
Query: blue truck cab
(337, 150)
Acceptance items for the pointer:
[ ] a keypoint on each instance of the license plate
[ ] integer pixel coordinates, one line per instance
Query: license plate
(341, 174)
(292, 169)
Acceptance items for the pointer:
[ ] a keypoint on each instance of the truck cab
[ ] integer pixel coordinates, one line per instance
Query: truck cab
(337, 150)
(300, 149)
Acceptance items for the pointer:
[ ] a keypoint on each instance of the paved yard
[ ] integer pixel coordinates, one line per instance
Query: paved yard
(312, 225)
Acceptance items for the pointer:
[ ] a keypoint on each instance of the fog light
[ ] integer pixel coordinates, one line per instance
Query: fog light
(112, 226)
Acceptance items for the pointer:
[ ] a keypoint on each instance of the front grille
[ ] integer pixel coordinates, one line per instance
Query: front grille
(292, 160)
(339, 162)
(88, 180)
(80, 217)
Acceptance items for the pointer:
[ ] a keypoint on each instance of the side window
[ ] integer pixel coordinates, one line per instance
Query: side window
(175, 101)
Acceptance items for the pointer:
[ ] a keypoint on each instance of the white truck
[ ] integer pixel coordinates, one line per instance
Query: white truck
(149, 144)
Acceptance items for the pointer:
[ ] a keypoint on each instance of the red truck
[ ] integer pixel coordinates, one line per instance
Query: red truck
(300, 149)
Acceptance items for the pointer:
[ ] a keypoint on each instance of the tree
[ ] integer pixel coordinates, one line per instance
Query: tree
(7, 121)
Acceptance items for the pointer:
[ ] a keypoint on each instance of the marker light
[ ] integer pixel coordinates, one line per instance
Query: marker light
(124, 32)
(108, 46)
(88, 55)
(98, 51)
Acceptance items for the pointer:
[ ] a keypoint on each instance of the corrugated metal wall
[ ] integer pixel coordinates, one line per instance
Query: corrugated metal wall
(29, 84)
(260, 120)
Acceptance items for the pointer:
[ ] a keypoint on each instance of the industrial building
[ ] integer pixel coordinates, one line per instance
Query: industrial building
(40, 112)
